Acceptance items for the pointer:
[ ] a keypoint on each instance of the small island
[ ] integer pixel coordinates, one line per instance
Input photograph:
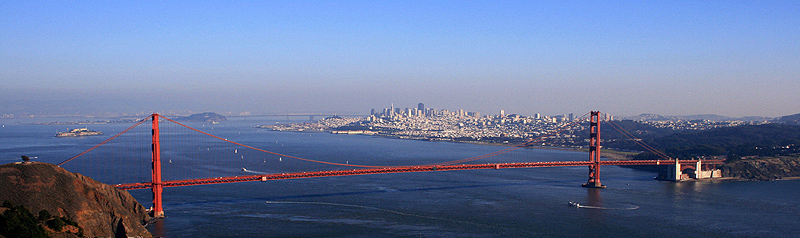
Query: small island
(203, 117)
(79, 132)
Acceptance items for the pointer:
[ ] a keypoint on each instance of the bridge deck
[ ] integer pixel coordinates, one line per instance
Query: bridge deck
(395, 169)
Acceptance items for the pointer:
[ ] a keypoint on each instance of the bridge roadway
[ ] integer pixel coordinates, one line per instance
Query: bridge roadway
(395, 169)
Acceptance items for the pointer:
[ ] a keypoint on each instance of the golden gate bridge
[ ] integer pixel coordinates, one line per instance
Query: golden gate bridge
(156, 182)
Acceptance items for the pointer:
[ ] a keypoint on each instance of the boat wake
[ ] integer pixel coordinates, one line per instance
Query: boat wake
(251, 171)
(627, 207)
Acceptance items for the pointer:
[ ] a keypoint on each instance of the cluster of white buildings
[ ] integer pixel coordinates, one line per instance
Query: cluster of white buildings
(458, 126)
(432, 124)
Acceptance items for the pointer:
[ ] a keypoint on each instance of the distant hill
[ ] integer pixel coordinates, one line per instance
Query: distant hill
(747, 140)
(651, 117)
(790, 119)
(203, 117)
(637, 128)
(710, 117)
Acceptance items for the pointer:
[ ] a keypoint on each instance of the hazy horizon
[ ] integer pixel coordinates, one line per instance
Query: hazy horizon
(674, 58)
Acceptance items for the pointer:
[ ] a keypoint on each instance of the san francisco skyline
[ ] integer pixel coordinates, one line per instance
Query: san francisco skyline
(676, 58)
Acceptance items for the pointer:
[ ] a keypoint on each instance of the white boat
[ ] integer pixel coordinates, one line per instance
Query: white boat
(243, 169)
(574, 204)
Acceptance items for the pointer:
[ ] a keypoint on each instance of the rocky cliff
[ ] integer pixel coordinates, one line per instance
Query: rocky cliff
(100, 209)
(763, 168)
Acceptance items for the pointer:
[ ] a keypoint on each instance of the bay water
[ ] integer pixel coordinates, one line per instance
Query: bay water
(477, 203)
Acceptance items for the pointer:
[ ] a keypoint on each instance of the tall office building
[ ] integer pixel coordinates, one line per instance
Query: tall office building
(421, 107)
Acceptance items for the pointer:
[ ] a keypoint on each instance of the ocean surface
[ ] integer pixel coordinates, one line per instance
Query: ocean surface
(478, 203)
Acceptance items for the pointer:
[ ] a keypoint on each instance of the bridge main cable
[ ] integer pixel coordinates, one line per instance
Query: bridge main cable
(638, 141)
(270, 152)
(103, 143)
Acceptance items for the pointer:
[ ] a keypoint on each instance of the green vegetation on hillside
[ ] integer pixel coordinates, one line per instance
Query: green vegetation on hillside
(18, 221)
(733, 142)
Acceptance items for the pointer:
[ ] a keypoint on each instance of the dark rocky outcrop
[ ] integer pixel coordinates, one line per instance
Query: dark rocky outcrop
(762, 168)
(100, 209)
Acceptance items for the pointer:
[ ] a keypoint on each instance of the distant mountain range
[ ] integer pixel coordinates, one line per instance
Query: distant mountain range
(710, 117)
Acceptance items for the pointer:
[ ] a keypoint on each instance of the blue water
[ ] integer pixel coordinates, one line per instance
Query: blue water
(479, 203)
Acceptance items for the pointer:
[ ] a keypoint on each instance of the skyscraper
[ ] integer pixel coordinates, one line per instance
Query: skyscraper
(421, 107)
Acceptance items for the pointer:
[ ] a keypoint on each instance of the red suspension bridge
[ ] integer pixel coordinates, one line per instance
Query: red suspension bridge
(156, 182)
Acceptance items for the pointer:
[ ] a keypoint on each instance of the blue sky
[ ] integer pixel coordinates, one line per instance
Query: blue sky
(734, 58)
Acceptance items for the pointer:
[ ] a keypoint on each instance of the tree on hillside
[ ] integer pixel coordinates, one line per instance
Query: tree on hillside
(26, 158)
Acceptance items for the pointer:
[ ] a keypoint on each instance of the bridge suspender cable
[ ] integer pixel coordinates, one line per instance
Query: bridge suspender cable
(575, 122)
(638, 141)
(270, 152)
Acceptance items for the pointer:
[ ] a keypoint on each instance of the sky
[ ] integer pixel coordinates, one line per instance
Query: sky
(733, 58)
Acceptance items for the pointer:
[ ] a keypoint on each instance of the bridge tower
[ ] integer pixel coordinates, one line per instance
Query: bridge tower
(594, 151)
(157, 210)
